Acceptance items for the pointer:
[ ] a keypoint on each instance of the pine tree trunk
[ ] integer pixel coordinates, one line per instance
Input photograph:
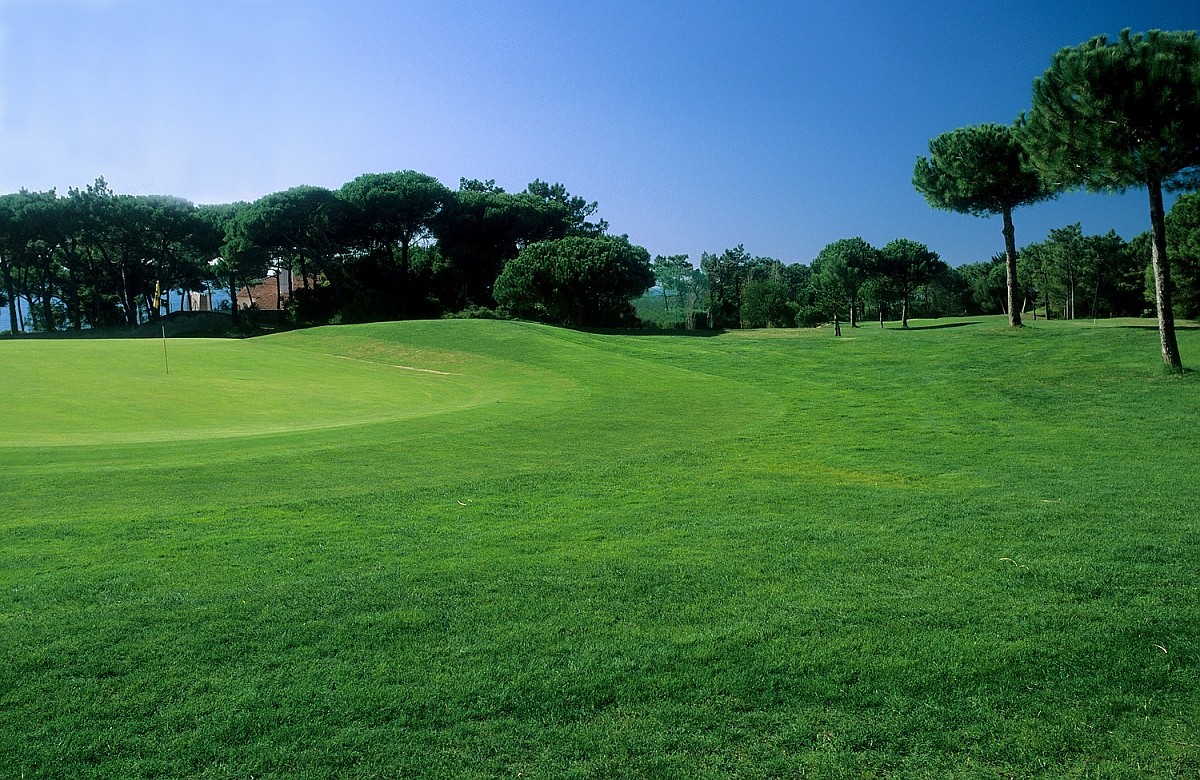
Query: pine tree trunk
(129, 301)
(47, 299)
(233, 309)
(10, 293)
(1046, 292)
(1162, 279)
(1010, 268)
(1073, 283)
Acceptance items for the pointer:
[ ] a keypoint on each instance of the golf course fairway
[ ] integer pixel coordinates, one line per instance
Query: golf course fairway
(476, 549)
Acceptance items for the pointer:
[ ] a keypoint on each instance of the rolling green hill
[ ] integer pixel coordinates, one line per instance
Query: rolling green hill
(478, 548)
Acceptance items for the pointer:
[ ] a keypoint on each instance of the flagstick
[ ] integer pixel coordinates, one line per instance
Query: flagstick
(166, 365)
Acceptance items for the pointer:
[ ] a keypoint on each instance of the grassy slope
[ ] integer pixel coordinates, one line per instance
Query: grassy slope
(949, 552)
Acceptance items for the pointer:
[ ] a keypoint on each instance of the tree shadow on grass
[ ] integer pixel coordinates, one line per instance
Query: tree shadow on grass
(698, 333)
(1155, 327)
(937, 327)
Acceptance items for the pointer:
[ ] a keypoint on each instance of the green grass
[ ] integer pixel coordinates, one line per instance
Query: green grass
(950, 552)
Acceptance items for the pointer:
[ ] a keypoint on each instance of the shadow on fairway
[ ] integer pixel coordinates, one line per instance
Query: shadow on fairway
(1155, 327)
(937, 327)
(651, 332)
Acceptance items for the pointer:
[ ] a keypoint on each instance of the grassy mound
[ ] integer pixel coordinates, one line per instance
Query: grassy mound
(478, 548)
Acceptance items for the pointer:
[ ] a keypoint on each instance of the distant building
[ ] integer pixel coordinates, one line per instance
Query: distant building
(270, 294)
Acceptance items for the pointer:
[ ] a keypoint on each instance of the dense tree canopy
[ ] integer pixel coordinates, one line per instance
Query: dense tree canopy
(578, 280)
(382, 246)
(839, 272)
(905, 265)
(94, 257)
(726, 275)
(1076, 275)
(388, 211)
(985, 285)
(482, 228)
(772, 293)
(569, 213)
(232, 264)
(1183, 244)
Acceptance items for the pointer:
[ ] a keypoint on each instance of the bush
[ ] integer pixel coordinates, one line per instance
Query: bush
(474, 313)
(578, 281)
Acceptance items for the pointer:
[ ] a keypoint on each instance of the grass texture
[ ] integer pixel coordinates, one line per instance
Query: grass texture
(475, 549)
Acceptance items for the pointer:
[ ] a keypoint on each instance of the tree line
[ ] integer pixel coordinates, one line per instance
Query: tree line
(736, 290)
(1106, 116)
(1068, 275)
(389, 246)
(383, 246)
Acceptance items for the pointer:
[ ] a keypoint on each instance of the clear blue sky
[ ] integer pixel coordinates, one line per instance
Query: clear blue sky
(697, 125)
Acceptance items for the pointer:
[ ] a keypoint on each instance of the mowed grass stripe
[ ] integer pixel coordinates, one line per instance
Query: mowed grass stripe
(936, 553)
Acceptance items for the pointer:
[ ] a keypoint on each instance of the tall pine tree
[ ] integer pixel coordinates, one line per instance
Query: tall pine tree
(1110, 116)
(982, 170)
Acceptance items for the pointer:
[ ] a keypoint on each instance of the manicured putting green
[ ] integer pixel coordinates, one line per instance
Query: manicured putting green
(83, 392)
